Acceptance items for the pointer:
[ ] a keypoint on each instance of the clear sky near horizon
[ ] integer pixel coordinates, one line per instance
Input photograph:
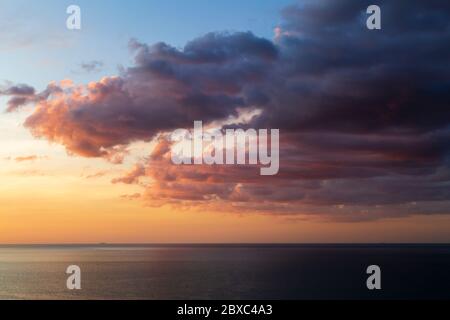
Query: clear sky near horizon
(51, 192)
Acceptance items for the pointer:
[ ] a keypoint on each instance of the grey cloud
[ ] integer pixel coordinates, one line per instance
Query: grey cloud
(92, 66)
(364, 115)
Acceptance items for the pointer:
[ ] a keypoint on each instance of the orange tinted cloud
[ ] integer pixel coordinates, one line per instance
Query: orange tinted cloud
(360, 137)
(26, 158)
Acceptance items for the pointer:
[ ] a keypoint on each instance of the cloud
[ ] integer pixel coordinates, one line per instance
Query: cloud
(19, 90)
(26, 158)
(363, 115)
(132, 176)
(164, 90)
(97, 174)
(93, 66)
(133, 196)
(22, 94)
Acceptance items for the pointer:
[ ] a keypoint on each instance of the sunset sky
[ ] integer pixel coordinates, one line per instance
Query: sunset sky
(364, 120)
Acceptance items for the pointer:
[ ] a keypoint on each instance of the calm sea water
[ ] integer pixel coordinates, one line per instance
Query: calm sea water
(225, 272)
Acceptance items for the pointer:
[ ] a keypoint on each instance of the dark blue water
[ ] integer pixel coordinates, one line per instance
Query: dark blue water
(225, 272)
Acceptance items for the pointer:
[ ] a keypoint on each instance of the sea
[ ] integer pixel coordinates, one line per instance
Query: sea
(232, 272)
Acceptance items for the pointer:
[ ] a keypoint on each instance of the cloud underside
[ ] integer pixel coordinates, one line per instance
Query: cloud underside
(363, 115)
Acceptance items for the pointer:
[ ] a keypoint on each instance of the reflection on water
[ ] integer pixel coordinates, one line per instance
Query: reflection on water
(224, 272)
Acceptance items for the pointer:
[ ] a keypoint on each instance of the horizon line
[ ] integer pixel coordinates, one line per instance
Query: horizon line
(228, 244)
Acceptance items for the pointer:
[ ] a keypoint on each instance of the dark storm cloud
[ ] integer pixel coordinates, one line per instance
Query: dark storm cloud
(340, 76)
(364, 115)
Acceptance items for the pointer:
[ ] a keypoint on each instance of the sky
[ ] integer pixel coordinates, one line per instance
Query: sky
(86, 114)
